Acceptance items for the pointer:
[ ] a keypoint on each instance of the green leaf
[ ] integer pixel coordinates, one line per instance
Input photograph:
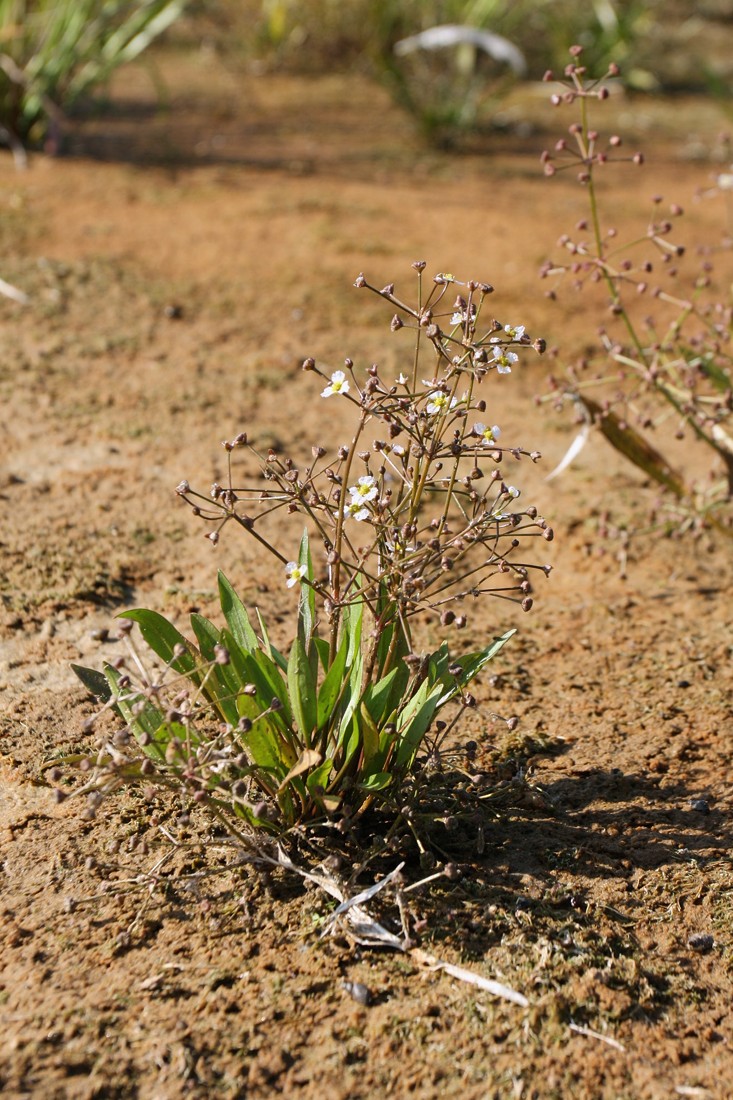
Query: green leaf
(94, 681)
(302, 688)
(324, 651)
(258, 669)
(355, 691)
(236, 616)
(274, 654)
(392, 649)
(148, 723)
(222, 683)
(332, 687)
(163, 638)
(377, 697)
(318, 778)
(414, 720)
(265, 742)
(307, 599)
(375, 782)
(349, 740)
(439, 663)
(352, 619)
(471, 664)
(369, 740)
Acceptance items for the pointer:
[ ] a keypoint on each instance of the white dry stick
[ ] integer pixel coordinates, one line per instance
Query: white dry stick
(369, 933)
(11, 291)
(497, 989)
(572, 452)
(590, 1034)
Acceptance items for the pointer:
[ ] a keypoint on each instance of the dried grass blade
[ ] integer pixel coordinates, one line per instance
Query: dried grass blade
(633, 446)
(591, 1034)
(497, 989)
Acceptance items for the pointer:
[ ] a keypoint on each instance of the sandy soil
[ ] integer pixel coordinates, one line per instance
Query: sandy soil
(179, 266)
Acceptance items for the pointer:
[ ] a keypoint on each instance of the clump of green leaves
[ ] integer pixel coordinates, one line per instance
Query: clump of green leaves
(660, 373)
(411, 517)
(52, 52)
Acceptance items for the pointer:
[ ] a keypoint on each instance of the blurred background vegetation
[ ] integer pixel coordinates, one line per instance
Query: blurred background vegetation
(55, 53)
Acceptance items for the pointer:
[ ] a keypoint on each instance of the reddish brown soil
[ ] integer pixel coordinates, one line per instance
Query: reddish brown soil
(180, 265)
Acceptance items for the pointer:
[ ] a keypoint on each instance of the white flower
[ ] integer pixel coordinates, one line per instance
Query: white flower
(364, 490)
(338, 384)
(514, 332)
(725, 181)
(398, 449)
(489, 435)
(512, 491)
(294, 573)
(356, 509)
(462, 315)
(503, 360)
(439, 402)
(401, 380)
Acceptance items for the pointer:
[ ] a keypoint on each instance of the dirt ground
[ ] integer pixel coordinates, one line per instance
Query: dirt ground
(180, 263)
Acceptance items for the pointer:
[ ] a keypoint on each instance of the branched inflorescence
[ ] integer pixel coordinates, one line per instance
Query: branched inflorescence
(411, 515)
(663, 357)
(415, 506)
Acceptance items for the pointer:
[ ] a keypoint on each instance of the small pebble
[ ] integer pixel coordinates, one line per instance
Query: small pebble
(358, 992)
(700, 805)
(701, 941)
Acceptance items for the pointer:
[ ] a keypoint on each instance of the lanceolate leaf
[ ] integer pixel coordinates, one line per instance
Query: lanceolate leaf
(471, 664)
(265, 743)
(163, 638)
(369, 741)
(147, 723)
(307, 600)
(352, 621)
(377, 697)
(257, 668)
(414, 721)
(332, 687)
(221, 683)
(633, 446)
(317, 779)
(236, 616)
(94, 681)
(302, 688)
(375, 782)
(268, 647)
